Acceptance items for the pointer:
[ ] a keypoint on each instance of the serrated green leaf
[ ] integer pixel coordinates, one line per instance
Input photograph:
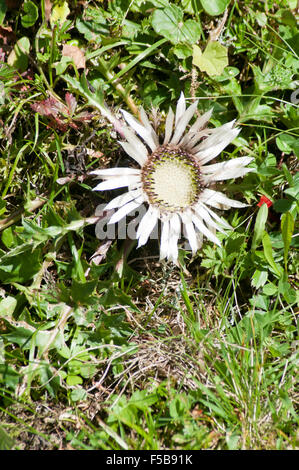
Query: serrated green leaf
(94, 99)
(17, 268)
(31, 14)
(116, 296)
(81, 292)
(214, 7)
(213, 60)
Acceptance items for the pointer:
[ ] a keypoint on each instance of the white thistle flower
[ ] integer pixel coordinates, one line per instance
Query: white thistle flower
(174, 178)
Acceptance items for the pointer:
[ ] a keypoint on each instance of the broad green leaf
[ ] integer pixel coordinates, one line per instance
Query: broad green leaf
(92, 30)
(170, 24)
(166, 22)
(8, 376)
(48, 378)
(182, 51)
(78, 394)
(74, 380)
(284, 288)
(213, 60)
(6, 442)
(283, 205)
(257, 111)
(214, 7)
(259, 278)
(142, 400)
(8, 237)
(115, 296)
(17, 268)
(88, 370)
(18, 57)
(7, 306)
(60, 13)
(259, 226)
(31, 14)
(270, 289)
(269, 254)
(288, 143)
(287, 229)
(190, 32)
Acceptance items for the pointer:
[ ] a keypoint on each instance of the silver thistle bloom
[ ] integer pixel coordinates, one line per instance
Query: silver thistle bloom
(174, 179)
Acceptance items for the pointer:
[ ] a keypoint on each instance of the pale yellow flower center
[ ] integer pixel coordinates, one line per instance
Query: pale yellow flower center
(171, 179)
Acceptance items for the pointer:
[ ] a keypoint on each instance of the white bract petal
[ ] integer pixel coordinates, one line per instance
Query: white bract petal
(147, 225)
(182, 123)
(164, 239)
(204, 230)
(219, 200)
(168, 126)
(140, 148)
(222, 222)
(202, 212)
(145, 121)
(137, 153)
(125, 210)
(109, 172)
(118, 182)
(214, 144)
(144, 132)
(121, 200)
(193, 135)
(190, 231)
(226, 170)
(180, 108)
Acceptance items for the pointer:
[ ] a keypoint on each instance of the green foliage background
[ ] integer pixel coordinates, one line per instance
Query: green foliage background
(101, 346)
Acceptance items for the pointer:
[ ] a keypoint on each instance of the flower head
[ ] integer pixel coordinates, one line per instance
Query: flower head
(174, 180)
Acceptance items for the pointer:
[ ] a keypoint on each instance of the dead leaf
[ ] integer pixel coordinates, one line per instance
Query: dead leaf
(7, 35)
(71, 102)
(48, 8)
(13, 4)
(76, 54)
(101, 252)
(48, 107)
